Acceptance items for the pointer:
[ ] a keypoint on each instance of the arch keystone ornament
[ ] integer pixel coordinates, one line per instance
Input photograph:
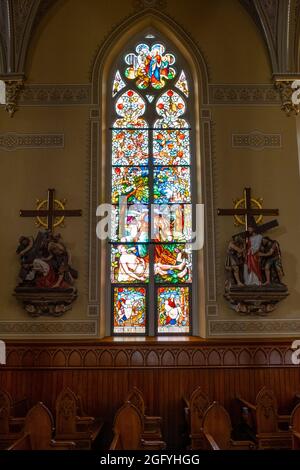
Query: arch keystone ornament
(254, 272)
(46, 278)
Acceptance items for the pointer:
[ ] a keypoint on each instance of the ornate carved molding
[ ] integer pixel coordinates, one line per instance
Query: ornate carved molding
(55, 95)
(14, 141)
(13, 87)
(131, 355)
(283, 85)
(257, 327)
(256, 140)
(48, 328)
(229, 94)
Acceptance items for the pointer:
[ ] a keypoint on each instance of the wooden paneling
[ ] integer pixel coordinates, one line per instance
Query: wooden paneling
(102, 373)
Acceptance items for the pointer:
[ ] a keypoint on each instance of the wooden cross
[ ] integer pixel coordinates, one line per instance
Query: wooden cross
(249, 213)
(50, 213)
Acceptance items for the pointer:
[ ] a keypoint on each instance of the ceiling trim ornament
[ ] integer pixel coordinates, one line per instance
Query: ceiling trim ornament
(283, 84)
(143, 4)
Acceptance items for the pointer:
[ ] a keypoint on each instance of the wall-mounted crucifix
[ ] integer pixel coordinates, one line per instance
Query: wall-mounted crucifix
(50, 212)
(252, 209)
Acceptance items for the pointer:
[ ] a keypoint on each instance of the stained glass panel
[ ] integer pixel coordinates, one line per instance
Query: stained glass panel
(129, 147)
(172, 184)
(131, 183)
(129, 309)
(182, 84)
(171, 147)
(130, 106)
(118, 84)
(173, 305)
(129, 263)
(170, 106)
(173, 263)
(172, 222)
(150, 65)
(129, 223)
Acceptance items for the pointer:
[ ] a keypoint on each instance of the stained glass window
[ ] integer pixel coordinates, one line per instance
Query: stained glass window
(151, 259)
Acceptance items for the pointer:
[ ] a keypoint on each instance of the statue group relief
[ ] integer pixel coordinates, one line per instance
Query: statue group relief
(253, 266)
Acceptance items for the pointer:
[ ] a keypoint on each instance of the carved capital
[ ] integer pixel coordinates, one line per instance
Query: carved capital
(285, 89)
(13, 87)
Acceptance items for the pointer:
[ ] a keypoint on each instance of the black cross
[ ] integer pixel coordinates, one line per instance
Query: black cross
(249, 213)
(50, 213)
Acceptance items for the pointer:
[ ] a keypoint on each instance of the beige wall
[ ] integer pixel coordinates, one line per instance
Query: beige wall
(62, 52)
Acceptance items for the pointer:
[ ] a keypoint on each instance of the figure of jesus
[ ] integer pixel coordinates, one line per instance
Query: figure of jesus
(131, 267)
(252, 269)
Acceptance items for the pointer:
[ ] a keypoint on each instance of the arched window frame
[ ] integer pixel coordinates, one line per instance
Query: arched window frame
(150, 116)
(98, 306)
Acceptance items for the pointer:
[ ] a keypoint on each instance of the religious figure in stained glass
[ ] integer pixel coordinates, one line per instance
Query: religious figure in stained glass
(173, 309)
(151, 222)
(129, 263)
(150, 66)
(129, 305)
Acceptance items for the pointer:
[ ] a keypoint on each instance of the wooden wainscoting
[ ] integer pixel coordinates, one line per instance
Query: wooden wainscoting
(102, 373)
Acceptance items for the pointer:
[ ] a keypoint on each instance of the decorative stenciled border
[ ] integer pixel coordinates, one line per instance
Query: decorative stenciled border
(219, 94)
(55, 95)
(262, 327)
(48, 328)
(237, 94)
(13, 141)
(255, 140)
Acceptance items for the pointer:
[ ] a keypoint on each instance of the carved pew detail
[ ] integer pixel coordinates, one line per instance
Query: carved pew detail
(10, 426)
(83, 430)
(152, 424)
(194, 410)
(38, 430)
(217, 429)
(128, 431)
(295, 427)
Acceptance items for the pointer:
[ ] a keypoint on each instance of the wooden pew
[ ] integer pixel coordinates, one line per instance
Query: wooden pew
(152, 424)
(38, 431)
(128, 431)
(10, 425)
(295, 427)
(71, 422)
(267, 421)
(282, 419)
(194, 410)
(217, 429)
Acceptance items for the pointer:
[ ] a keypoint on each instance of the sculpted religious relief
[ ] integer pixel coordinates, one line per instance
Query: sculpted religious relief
(46, 278)
(253, 266)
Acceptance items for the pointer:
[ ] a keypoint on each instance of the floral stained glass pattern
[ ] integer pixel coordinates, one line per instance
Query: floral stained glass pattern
(129, 147)
(172, 184)
(170, 106)
(129, 263)
(173, 263)
(118, 84)
(182, 84)
(130, 183)
(129, 223)
(172, 222)
(150, 65)
(171, 147)
(130, 106)
(129, 310)
(173, 309)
